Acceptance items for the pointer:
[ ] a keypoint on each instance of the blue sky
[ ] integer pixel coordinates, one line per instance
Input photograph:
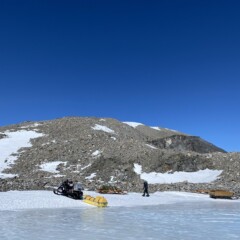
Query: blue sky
(173, 64)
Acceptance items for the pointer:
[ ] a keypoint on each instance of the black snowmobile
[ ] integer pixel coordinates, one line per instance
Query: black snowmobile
(68, 189)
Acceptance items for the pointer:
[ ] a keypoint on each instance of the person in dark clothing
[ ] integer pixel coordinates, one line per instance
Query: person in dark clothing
(145, 189)
(67, 186)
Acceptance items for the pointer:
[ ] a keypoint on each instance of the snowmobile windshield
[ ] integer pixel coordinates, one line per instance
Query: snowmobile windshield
(78, 186)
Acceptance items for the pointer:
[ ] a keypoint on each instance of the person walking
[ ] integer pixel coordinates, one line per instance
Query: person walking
(145, 189)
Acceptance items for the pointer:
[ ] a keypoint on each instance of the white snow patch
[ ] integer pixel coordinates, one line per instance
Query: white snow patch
(7, 175)
(137, 168)
(102, 128)
(30, 126)
(157, 128)
(171, 130)
(47, 143)
(11, 145)
(151, 146)
(86, 166)
(113, 138)
(201, 176)
(102, 120)
(91, 176)
(133, 124)
(112, 180)
(58, 175)
(96, 153)
(51, 166)
(169, 141)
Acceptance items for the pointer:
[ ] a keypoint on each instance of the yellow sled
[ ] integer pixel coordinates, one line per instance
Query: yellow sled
(98, 201)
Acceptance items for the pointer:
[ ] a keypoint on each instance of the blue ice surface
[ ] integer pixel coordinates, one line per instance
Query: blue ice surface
(186, 221)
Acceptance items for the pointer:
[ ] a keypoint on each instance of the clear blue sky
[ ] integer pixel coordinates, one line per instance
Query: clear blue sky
(173, 64)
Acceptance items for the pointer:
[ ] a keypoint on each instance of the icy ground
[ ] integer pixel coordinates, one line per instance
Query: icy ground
(42, 215)
(14, 200)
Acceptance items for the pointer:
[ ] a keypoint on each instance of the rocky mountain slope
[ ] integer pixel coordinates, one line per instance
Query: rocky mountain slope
(97, 151)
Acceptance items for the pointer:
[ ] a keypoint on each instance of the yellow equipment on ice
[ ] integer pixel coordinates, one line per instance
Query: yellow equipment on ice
(98, 201)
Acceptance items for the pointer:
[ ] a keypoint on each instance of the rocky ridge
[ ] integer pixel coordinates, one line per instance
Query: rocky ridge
(97, 151)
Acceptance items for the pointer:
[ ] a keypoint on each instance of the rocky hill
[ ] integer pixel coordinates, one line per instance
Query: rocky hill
(97, 151)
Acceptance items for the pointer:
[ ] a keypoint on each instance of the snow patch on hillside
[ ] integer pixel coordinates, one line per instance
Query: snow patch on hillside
(91, 176)
(82, 168)
(151, 146)
(201, 176)
(51, 166)
(102, 128)
(156, 128)
(97, 153)
(31, 126)
(171, 130)
(10, 146)
(133, 124)
(169, 142)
